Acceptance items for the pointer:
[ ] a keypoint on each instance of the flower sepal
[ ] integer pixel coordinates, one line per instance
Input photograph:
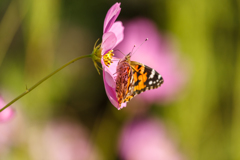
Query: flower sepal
(96, 55)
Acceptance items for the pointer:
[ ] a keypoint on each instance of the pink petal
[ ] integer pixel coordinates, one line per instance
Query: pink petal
(111, 16)
(112, 35)
(112, 69)
(108, 42)
(122, 106)
(110, 90)
(109, 77)
(117, 28)
(110, 84)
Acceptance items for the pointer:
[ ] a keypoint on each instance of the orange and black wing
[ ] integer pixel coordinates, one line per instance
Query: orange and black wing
(144, 78)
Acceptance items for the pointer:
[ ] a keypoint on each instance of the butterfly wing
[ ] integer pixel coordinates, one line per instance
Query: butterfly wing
(124, 81)
(144, 78)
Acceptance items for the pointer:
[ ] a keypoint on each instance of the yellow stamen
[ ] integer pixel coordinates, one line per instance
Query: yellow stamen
(107, 58)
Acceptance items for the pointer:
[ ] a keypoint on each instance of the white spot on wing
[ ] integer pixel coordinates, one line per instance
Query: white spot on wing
(150, 82)
(159, 76)
(152, 74)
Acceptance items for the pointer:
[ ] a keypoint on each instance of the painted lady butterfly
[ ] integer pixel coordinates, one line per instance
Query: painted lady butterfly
(134, 78)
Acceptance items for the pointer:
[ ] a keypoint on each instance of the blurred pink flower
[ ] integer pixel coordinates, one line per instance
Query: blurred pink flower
(7, 113)
(146, 139)
(11, 134)
(112, 36)
(157, 54)
(62, 140)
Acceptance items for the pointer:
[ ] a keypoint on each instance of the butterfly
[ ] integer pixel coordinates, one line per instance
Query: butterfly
(134, 78)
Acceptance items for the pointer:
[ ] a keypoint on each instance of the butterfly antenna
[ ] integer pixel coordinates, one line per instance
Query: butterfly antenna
(123, 53)
(140, 45)
(119, 51)
(133, 48)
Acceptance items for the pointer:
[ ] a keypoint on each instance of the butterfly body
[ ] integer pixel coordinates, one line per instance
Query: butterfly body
(134, 78)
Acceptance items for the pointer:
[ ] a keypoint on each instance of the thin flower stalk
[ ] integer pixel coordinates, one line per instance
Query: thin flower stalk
(42, 80)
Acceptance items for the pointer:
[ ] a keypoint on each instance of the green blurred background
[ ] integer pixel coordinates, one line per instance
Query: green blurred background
(38, 36)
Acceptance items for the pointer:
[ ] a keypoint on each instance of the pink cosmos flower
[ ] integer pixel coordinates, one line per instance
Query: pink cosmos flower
(112, 36)
(6, 114)
(147, 139)
(62, 140)
(157, 54)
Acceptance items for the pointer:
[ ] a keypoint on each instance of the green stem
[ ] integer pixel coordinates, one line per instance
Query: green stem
(42, 80)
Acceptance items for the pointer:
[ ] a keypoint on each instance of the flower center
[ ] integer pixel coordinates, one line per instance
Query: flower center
(107, 58)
